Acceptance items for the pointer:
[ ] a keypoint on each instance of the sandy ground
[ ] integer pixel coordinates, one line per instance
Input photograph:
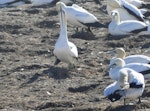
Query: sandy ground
(30, 81)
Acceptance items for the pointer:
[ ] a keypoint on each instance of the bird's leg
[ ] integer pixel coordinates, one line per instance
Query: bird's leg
(124, 101)
(89, 29)
(57, 61)
(139, 100)
(77, 29)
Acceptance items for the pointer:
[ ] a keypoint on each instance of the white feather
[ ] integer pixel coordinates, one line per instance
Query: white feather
(78, 16)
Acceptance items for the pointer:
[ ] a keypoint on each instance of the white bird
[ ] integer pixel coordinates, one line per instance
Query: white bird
(118, 63)
(120, 53)
(139, 3)
(64, 50)
(78, 16)
(129, 85)
(133, 10)
(118, 27)
(5, 3)
(41, 2)
(124, 13)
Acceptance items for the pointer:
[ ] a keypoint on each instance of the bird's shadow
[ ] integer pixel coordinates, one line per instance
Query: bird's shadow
(84, 35)
(112, 37)
(121, 108)
(57, 72)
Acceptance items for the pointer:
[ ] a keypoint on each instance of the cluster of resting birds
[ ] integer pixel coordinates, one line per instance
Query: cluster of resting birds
(128, 16)
(128, 72)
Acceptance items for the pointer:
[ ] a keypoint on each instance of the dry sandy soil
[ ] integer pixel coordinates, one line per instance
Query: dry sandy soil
(30, 81)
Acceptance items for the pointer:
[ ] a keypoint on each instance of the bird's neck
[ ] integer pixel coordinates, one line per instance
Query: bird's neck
(63, 27)
(122, 55)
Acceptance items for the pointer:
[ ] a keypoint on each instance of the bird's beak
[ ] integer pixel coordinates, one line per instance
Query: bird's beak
(111, 52)
(108, 68)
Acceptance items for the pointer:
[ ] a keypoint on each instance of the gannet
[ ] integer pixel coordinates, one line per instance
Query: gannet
(125, 12)
(120, 53)
(4, 3)
(78, 16)
(129, 85)
(64, 50)
(118, 63)
(139, 3)
(133, 10)
(41, 2)
(118, 27)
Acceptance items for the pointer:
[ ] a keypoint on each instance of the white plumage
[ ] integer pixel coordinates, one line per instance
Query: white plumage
(40, 2)
(139, 3)
(120, 53)
(118, 63)
(132, 9)
(126, 10)
(64, 50)
(4, 3)
(130, 85)
(118, 27)
(124, 14)
(78, 16)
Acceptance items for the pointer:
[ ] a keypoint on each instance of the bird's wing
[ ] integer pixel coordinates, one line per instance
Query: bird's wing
(73, 49)
(81, 14)
(129, 26)
(132, 9)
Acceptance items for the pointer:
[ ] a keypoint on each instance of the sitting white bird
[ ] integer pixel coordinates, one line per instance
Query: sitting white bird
(139, 3)
(133, 10)
(5, 3)
(129, 85)
(118, 27)
(64, 50)
(78, 16)
(41, 2)
(118, 63)
(124, 14)
(120, 53)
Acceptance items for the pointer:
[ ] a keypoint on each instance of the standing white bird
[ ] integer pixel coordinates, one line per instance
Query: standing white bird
(129, 85)
(64, 50)
(118, 63)
(120, 53)
(78, 16)
(118, 27)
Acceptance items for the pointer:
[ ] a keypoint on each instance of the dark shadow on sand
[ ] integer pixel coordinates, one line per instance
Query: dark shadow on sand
(84, 35)
(57, 72)
(121, 108)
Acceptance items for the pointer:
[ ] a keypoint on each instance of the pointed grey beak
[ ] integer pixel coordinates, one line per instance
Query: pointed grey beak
(111, 52)
(108, 68)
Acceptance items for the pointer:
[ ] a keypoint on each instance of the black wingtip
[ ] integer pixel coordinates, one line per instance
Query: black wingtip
(146, 5)
(114, 96)
(139, 30)
(134, 85)
(145, 72)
